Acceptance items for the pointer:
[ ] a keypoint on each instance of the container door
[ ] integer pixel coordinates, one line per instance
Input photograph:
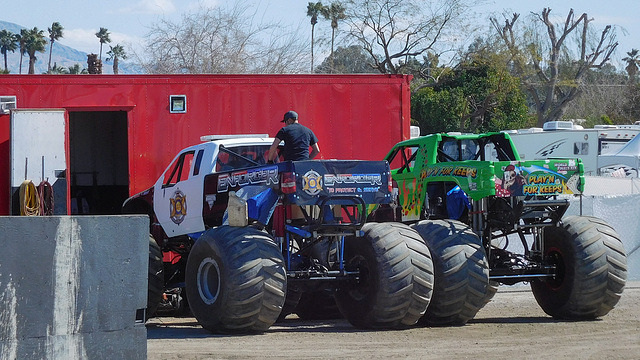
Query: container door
(38, 154)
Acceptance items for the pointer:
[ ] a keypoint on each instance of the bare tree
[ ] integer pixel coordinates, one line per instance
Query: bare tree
(393, 31)
(222, 41)
(538, 63)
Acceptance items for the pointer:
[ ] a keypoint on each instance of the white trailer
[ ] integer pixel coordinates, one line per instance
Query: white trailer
(563, 139)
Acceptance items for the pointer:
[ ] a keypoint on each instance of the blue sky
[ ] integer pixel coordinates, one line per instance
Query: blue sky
(128, 20)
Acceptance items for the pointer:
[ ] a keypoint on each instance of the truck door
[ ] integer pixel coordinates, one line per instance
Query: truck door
(177, 197)
(38, 153)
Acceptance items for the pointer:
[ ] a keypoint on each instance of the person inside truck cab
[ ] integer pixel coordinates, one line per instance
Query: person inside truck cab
(297, 140)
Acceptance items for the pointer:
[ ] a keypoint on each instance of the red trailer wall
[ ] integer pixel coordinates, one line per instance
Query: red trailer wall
(354, 116)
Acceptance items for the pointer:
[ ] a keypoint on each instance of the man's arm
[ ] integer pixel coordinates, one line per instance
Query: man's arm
(315, 150)
(273, 150)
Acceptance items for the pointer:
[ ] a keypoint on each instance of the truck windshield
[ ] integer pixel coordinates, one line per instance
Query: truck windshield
(237, 157)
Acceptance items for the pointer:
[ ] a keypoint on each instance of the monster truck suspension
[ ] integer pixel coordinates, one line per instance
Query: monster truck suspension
(495, 218)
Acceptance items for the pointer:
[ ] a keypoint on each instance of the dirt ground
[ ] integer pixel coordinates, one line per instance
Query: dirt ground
(512, 326)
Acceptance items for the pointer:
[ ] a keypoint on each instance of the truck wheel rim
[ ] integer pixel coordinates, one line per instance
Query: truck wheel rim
(208, 281)
(556, 258)
(361, 289)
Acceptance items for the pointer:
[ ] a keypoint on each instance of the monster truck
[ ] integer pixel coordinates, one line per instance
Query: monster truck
(245, 239)
(490, 218)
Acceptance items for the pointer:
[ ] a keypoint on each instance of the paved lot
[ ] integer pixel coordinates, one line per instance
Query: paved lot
(512, 326)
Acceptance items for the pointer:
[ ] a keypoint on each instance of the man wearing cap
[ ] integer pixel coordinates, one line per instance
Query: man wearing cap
(297, 140)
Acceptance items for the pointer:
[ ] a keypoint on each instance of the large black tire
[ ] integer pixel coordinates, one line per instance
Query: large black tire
(492, 289)
(461, 272)
(591, 269)
(423, 273)
(236, 280)
(155, 278)
(383, 294)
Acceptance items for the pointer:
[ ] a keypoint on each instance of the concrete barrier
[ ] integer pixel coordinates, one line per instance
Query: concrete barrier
(73, 287)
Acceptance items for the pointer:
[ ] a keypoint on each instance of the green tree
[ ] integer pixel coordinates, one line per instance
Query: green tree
(57, 70)
(335, 12)
(632, 103)
(117, 52)
(476, 96)
(103, 35)
(34, 43)
(632, 60)
(77, 69)
(22, 43)
(313, 10)
(55, 33)
(8, 42)
(346, 60)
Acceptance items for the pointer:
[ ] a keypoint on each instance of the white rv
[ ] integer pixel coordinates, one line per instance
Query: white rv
(623, 163)
(563, 139)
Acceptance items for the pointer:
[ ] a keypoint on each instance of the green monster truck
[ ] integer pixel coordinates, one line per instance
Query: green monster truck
(490, 218)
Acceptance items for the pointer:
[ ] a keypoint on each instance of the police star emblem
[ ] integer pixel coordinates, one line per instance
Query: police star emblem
(178, 207)
(312, 183)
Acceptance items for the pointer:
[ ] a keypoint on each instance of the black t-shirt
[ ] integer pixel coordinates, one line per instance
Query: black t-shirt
(297, 139)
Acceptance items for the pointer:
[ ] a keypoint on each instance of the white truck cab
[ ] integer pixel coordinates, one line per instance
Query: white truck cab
(178, 191)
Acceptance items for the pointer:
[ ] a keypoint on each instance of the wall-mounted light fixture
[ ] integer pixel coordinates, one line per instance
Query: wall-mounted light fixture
(177, 104)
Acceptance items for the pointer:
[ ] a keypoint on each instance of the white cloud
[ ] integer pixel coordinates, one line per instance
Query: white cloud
(86, 40)
(81, 39)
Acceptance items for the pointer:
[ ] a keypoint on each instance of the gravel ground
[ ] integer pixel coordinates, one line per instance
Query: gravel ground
(512, 326)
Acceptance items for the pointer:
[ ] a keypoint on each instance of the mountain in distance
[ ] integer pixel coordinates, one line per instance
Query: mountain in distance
(62, 56)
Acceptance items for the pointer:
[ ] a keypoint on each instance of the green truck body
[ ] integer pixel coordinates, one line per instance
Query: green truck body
(481, 165)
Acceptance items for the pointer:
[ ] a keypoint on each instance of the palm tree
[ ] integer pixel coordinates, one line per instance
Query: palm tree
(633, 60)
(103, 35)
(22, 41)
(8, 42)
(77, 69)
(55, 33)
(35, 42)
(57, 69)
(334, 13)
(116, 52)
(314, 10)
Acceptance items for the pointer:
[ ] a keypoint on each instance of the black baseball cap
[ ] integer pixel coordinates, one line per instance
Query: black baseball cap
(290, 115)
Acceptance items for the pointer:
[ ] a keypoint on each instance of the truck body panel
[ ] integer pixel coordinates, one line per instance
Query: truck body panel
(474, 165)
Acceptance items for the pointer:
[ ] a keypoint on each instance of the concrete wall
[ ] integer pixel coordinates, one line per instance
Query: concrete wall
(72, 287)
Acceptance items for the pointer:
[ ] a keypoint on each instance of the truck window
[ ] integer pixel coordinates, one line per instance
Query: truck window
(196, 167)
(458, 150)
(179, 169)
(237, 157)
(403, 158)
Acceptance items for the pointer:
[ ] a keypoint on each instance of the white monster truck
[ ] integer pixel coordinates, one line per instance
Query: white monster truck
(245, 240)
